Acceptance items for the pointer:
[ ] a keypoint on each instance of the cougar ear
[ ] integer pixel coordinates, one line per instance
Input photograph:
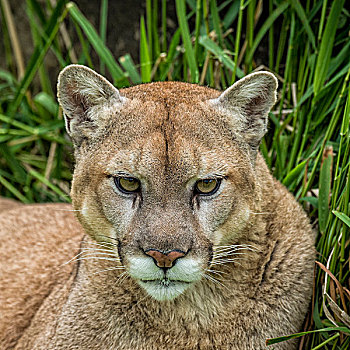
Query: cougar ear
(87, 100)
(248, 103)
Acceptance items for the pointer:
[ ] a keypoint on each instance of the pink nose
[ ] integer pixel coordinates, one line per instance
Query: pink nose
(165, 259)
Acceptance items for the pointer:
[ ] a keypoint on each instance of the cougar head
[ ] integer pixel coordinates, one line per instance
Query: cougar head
(165, 170)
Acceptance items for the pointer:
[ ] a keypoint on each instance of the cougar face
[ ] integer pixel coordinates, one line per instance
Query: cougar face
(163, 172)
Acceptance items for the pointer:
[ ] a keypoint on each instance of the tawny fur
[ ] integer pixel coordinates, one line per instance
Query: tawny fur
(163, 130)
(6, 204)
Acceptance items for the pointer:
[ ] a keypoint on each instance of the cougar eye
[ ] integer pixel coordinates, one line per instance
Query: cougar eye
(127, 184)
(207, 187)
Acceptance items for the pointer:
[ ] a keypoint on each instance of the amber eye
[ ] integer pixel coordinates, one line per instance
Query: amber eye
(127, 184)
(207, 187)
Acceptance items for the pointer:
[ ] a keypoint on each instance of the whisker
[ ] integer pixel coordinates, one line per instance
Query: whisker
(234, 245)
(244, 245)
(110, 269)
(100, 251)
(104, 243)
(216, 272)
(100, 255)
(80, 254)
(234, 248)
(72, 259)
(92, 252)
(262, 213)
(115, 239)
(97, 258)
(214, 280)
(227, 260)
(122, 277)
(68, 210)
(111, 252)
(230, 253)
(100, 243)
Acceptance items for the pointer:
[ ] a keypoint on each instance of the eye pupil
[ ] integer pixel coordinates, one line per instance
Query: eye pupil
(127, 184)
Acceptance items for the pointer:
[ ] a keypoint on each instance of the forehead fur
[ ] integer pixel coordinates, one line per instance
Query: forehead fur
(177, 110)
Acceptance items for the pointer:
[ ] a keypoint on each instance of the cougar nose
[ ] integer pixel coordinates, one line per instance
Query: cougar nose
(165, 259)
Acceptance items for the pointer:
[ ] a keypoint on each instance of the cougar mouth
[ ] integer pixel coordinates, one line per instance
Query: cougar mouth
(165, 282)
(164, 289)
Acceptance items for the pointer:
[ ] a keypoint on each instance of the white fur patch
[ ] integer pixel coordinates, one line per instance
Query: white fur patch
(85, 210)
(167, 286)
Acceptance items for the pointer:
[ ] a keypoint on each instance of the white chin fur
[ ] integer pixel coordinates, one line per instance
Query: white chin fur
(161, 287)
(164, 289)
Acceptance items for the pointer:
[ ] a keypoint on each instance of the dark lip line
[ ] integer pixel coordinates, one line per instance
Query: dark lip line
(159, 280)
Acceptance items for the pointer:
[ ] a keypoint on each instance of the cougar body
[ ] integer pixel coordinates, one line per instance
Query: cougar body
(185, 239)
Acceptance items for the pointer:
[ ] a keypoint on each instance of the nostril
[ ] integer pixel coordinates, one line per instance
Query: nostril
(165, 259)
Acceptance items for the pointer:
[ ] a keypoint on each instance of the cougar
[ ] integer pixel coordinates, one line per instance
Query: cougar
(184, 240)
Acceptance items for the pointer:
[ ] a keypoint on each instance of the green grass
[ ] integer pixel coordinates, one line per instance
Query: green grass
(306, 45)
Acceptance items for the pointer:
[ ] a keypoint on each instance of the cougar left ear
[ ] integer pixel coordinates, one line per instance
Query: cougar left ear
(248, 102)
(87, 100)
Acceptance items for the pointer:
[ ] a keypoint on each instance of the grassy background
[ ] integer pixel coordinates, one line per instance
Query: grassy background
(305, 44)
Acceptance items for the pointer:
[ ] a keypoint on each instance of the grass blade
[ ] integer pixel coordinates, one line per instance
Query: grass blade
(103, 27)
(39, 53)
(296, 335)
(293, 174)
(324, 56)
(46, 182)
(343, 217)
(325, 189)
(265, 27)
(144, 54)
(13, 190)
(129, 66)
(186, 38)
(301, 13)
(220, 54)
(103, 52)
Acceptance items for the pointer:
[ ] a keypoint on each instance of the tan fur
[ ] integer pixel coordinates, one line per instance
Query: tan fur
(6, 204)
(168, 135)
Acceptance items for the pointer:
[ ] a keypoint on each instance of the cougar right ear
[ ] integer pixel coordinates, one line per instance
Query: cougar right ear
(87, 100)
(248, 103)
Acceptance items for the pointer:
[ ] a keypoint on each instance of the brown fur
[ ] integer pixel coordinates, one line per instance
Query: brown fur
(164, 134)
(6, 204)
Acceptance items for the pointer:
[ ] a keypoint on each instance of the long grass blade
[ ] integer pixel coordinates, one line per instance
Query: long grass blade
(221, 55)
(101, 49)
(185, 34)
(324, 56)
(265, 27)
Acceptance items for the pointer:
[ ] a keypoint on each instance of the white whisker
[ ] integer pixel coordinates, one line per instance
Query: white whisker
(110, 269)
(100, 255)
(226, 260)
(103, 244)
(227, 254)
(212, 279)
(122, 277)
(68, 210)
(216, 272)
(72, 259)
(262, 213)
(234, 248)
(97, 258)
(107, 251)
